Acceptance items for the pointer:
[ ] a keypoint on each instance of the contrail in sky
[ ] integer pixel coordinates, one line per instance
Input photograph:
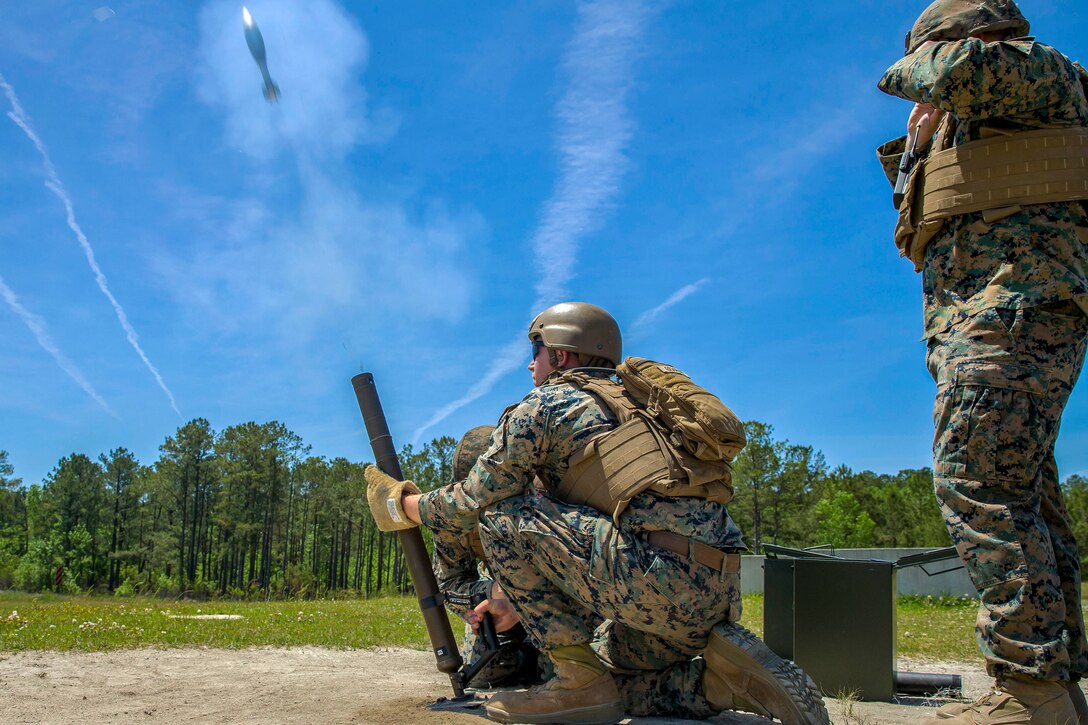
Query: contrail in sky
(53, 183)
(37, 326)
(594, 129)
(675, 298)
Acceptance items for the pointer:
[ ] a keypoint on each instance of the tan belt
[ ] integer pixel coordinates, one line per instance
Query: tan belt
(696, 551)
(1027, 167)
(1003, 171)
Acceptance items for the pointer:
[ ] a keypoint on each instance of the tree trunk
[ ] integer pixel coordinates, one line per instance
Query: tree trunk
(115, 564)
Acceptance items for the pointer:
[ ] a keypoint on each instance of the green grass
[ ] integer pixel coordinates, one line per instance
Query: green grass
(52, 622)
(928, 628)
(937, 628)
(752, 615)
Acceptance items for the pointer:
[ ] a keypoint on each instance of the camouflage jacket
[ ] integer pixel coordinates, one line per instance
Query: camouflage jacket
(457, 568)
(1016, 257)
(537, 438)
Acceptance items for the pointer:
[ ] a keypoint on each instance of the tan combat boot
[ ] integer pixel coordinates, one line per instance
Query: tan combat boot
(1076, 694)
(581, 693)
(1015, 701)
(742, 673)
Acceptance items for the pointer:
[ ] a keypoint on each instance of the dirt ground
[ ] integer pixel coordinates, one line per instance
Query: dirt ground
(301, 685)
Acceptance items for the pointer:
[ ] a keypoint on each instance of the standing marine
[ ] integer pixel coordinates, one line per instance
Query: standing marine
(993, 215)
(657, 564)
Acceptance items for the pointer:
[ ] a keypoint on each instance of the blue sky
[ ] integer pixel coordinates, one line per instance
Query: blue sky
(172, 246)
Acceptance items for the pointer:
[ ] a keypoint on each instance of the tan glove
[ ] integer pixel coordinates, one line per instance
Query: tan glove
(383, 493)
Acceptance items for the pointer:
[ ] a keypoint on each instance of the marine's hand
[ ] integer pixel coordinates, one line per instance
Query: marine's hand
(384, 493)
(502, 611)
(923, 121)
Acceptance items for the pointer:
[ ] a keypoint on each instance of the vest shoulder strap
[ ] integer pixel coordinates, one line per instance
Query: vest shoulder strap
(610, 392)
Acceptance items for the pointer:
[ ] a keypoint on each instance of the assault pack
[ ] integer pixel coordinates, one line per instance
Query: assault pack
(674, 438)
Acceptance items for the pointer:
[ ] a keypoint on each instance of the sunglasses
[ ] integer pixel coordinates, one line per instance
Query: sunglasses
(537, 345)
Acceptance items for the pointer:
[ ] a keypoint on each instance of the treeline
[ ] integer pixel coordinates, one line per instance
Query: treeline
(243, 512)
(247, 512)
(786, 494)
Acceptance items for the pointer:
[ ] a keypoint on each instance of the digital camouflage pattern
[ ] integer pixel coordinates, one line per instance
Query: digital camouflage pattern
(1006, 342)
(537, 438)
(461, 574)
(458, 552)
(958, 19)
(472, 445)
(1003, 379)
(675, 691)
(568, 568)
(565, 567)
(1032, 255)
(534, 438)
(456, 564)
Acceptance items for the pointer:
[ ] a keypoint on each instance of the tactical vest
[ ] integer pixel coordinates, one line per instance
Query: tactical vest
(1001, 172)
(636, 456)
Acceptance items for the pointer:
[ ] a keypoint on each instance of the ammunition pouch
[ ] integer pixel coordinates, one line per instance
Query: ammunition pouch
(999, 172)
(912, 232)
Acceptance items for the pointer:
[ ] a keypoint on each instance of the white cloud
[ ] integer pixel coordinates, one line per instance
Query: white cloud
(37, 326)
(340, 255)
(329, 251)
(54, 184)
(594, 129)
(774, 171)
(506, 361)
(649, 316)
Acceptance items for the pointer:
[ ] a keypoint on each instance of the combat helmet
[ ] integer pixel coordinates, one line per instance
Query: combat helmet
(580, 328)
(959, 19)
(471, 446)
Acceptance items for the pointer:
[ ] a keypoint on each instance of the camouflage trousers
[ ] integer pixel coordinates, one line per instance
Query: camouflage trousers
(1003, 378)
(574, 577)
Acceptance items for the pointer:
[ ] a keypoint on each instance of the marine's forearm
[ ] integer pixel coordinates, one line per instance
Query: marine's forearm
(976, 80)
(460, 597)
(457, 570)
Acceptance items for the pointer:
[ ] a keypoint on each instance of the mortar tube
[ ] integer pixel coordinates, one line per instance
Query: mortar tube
(446, 654)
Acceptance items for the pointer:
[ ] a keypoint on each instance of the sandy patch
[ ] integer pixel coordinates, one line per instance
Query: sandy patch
(299, 685)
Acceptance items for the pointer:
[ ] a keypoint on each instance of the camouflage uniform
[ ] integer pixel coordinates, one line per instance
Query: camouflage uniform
(462, 579)
(1003, 292)
(565, 567)
(458, 569)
